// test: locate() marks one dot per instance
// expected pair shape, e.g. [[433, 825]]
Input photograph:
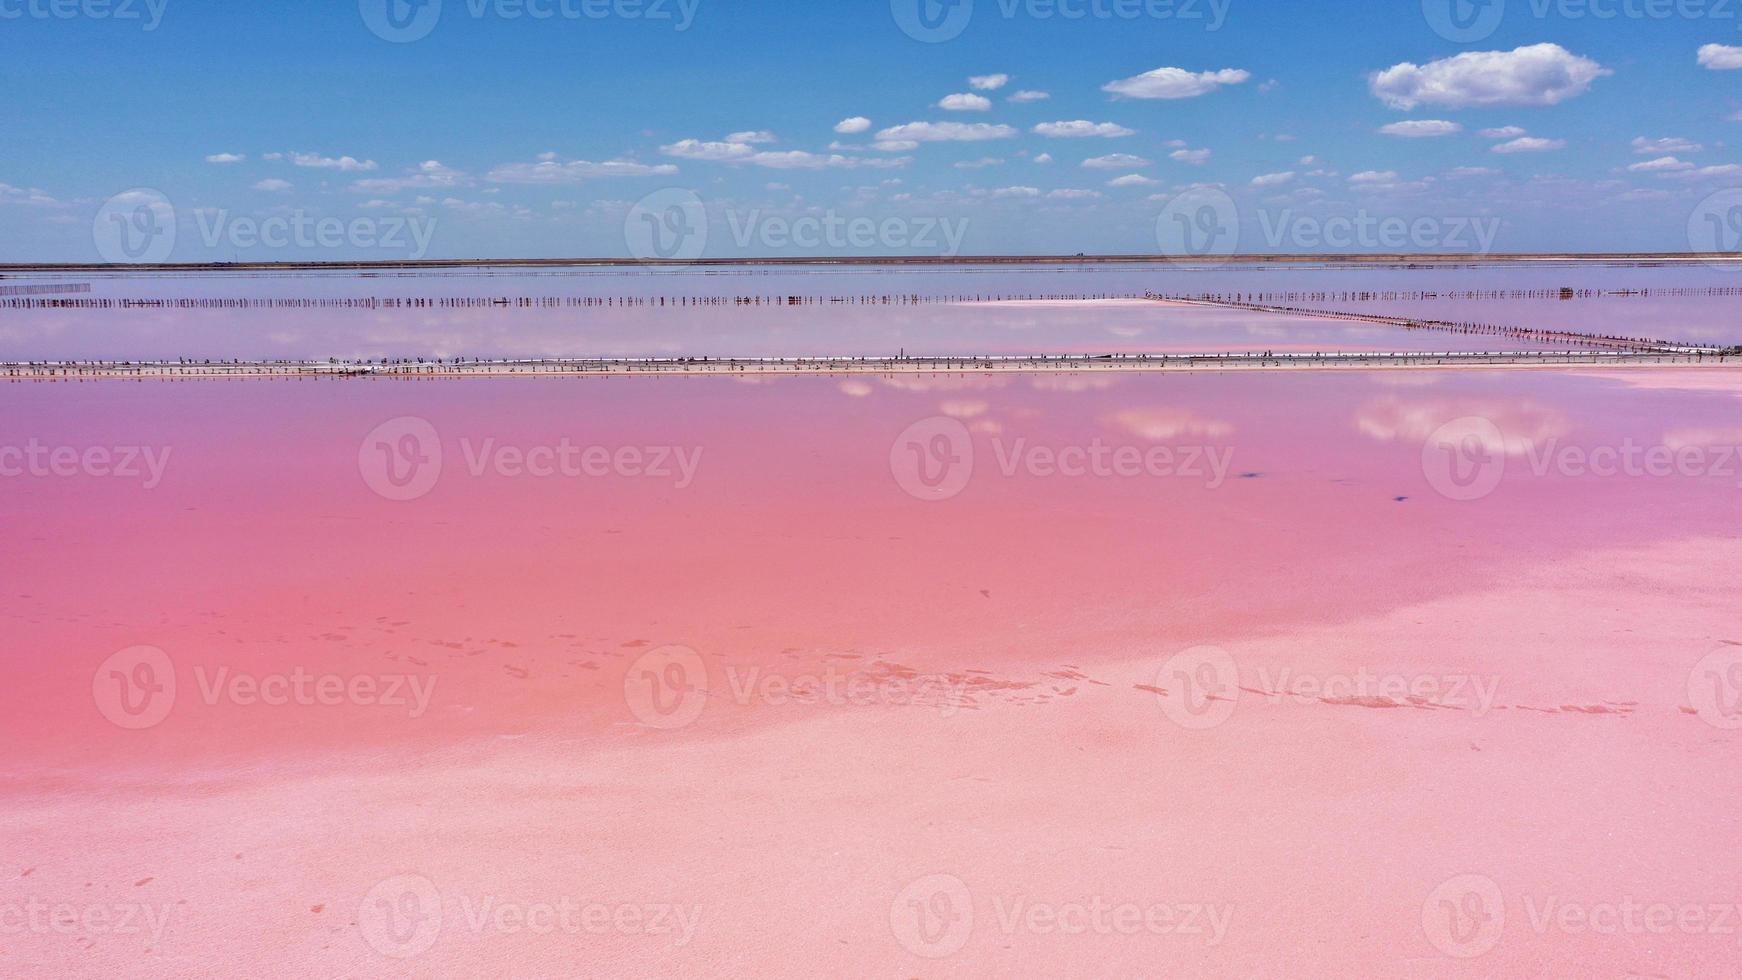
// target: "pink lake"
[[1377, 674]]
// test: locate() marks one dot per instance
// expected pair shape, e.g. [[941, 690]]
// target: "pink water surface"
[[1022, 735]]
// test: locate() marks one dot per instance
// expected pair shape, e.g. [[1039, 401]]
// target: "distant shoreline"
[[691, 367], [59, 268]]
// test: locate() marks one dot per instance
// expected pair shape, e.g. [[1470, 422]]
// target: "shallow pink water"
[[1021, 726]]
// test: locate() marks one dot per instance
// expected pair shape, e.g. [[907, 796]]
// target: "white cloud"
[[715, 151], [1458, 172], [273, 184], [1029, 95], [1720, 57], [1530, 144], [1273, 180], [1502, 133], [1116, 161], [1072, 194], [430, 173], [35, 196], [1373, 177], [802, 160], [852, 124], [1724, 170], [1133, 180], [1309, 161], [1043, 158], [1660, 165], [226, 158], [1081, 128], [752, 136], [1536, 75], [979, 164], [739, 152], [1194, 157], [1175, 83], [1669, 144], [895, 146], [941, 132], [1016, 192], [965, 102], [573, 172], [345, 163], [1421, 128], [989, 83]]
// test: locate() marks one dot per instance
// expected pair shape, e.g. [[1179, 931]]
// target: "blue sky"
[[1359, 126]]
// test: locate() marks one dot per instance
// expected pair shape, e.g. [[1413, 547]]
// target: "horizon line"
[[1355, 258]]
